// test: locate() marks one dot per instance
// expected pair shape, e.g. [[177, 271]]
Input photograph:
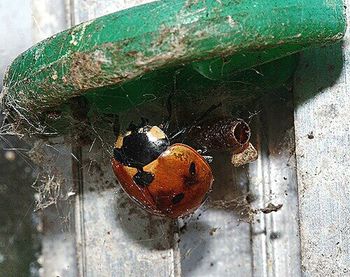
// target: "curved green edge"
[[119, 47]]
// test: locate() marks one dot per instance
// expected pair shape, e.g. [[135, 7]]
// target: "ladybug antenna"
[[206, 113], [144, 121], [169, 105], [116, 125], [132, 127], [187, 129], [175, 135]]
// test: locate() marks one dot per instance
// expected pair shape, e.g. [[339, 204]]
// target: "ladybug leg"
[[188, 129], [202, 150], [207, 112], [144, 122], [209, 159], [166, 122]]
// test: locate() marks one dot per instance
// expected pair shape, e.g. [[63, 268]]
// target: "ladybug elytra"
[[166, 179]]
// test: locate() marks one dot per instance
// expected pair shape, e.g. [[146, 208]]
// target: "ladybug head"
[[138, 147]]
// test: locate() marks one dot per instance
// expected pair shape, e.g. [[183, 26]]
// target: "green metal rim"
[[114, 49]]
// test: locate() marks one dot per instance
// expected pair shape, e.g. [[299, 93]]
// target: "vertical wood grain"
[[322, 126], [272, 180], [58, 231], [58, 228]]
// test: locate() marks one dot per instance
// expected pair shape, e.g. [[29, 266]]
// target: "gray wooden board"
[[272, 179], [58, 230], [119, 239], [18, 239], [322, 125], [16, 31]]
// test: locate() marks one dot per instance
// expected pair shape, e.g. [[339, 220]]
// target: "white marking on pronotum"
[[155, 134]]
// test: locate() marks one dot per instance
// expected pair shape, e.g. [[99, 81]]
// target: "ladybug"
[[165, 179]]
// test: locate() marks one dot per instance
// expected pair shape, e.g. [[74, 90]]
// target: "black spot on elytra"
[[191, 179], [192, 169], [143, 178], [177, 198]]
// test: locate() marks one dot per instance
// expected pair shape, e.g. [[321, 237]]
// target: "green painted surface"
[[192, 86], [138, 50]]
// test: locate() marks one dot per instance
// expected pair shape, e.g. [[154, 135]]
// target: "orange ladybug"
[[167, 180]]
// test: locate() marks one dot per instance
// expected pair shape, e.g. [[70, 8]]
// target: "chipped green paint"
[[104, 53]]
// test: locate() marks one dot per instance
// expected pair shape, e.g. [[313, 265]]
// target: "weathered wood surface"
[[58, 257], [18, 238], [272, 180], [322, 124]]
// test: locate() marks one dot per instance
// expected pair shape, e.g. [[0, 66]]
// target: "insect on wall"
[[139, 146], [198, 111]]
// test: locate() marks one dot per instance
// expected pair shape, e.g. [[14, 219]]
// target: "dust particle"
[[311, 135], [212, 231], [271, 208]]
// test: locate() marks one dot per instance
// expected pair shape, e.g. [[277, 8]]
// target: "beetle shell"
[[181, 179]]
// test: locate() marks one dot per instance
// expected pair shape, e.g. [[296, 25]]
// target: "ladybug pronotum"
[[166, 179]]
